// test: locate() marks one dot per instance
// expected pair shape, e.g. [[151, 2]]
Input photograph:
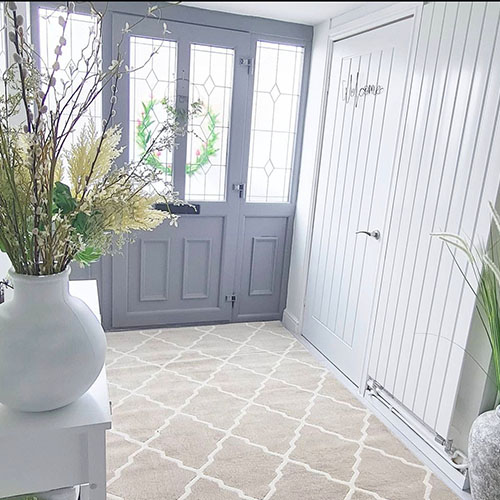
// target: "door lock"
[[374, 234], [240, 188]]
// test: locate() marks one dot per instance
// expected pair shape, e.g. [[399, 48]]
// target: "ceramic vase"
[[52, 347], [484, 456]]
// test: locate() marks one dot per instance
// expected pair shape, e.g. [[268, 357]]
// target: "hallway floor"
[[244, 411]]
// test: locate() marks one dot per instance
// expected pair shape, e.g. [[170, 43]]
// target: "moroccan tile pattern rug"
[[244, 411]]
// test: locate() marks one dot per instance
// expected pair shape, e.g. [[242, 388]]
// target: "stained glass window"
[[152, 85], [276, 96], [211, 81]]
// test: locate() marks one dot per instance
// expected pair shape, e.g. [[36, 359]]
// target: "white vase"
[[52, 347]]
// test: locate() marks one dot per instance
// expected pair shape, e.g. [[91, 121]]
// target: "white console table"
[[60, 448]]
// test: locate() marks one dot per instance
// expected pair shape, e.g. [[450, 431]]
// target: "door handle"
[[240, 188], [374, 234]]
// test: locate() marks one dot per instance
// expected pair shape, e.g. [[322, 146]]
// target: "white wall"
[[303, 217]]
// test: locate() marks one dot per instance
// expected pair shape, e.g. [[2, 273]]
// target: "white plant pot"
[[52, 347], [484, 456]]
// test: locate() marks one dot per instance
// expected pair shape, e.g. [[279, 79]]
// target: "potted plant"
[[484, 438], [65, 199]]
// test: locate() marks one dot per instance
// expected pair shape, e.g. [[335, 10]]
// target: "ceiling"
[[298, 12]]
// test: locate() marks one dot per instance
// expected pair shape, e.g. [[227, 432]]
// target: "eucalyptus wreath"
[[147, 125]]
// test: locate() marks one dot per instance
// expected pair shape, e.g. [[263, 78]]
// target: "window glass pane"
[[211, 81], [80, 30], [3, 52], [276, 97], [152, 84]]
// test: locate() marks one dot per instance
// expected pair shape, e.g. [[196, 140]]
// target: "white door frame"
[[357, 26]]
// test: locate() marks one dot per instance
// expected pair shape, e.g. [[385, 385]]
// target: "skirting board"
[[411, 440], [290, 322]]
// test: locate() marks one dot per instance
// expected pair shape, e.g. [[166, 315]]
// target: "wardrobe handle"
[[374, 234]]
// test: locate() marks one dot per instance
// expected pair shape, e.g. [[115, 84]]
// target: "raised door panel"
[[262, 269]]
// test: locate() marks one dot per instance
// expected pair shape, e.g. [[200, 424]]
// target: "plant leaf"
[[496, 217], [88, 255], [493, 267], [63, 199], [81, 222], [456, 241]]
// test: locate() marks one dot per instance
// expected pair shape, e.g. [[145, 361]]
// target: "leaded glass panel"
[[76, 48], [276, 97], [152, 85], [211, 82]]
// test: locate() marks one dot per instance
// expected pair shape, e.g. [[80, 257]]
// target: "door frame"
[[352, 27]]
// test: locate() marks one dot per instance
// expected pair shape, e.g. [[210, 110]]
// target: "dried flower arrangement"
[[63, 200]]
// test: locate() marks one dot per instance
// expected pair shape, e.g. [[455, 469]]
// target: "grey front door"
[[227, 261], [182, 275]]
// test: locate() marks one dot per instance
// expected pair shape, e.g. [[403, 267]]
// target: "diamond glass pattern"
[[276, 97], [211, 82], [154, 63]]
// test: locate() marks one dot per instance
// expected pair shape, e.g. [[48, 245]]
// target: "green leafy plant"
[[147, 125], [485, 264]]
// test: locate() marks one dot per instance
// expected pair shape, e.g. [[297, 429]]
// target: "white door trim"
[[367, 22]]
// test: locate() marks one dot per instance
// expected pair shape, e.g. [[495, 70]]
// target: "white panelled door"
[[363, 117]]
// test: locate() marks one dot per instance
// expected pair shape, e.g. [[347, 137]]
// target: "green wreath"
[[144, 135]]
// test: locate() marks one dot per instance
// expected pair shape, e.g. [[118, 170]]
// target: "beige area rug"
[[244, 411]]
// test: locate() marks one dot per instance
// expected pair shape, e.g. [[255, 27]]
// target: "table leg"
[[97, 465]]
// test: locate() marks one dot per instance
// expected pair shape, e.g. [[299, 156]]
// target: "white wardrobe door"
[[449, 171]]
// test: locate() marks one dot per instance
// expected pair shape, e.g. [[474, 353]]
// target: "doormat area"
[[244, 411]]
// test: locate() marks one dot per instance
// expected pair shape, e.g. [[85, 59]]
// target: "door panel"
[[262, 268], [364, 107]]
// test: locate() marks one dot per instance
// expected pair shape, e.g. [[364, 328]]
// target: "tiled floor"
[[244, 411]]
